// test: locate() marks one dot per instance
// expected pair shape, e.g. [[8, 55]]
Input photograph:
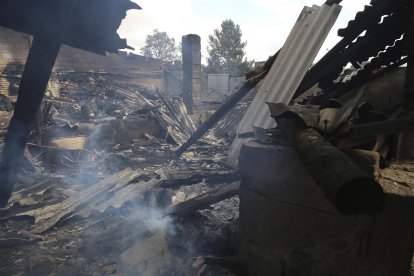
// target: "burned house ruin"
[[119, 164]]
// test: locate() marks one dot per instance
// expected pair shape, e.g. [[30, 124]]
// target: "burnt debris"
[[128, 165], [52, 24]]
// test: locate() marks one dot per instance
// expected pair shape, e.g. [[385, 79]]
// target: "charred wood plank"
[[188, 178], [254, 77], [205, 200], [48, 216], [331, 2], [234, 99], [350, 189]]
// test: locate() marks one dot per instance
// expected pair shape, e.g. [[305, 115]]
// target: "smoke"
[[150, 218]]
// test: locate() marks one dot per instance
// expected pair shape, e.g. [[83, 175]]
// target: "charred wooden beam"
[[254, 77], [35, 77], [405, 148], [233, 100], [36, 74], [387, 127], [205, 200], [331, 2], [350, 189]]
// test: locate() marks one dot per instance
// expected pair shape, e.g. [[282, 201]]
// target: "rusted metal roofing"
[[296, 56], [93, 26]]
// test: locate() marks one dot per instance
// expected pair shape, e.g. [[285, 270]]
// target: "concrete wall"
[[289, 228]]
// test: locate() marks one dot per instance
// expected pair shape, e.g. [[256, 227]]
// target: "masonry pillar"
[[192, 81]]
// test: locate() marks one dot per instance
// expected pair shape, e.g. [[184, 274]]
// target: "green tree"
[[226, 51], [159, 45]]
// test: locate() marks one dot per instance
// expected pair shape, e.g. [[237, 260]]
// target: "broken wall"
[[14, 48]]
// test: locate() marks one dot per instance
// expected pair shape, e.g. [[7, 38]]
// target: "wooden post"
[[35, 77], [405, 147]]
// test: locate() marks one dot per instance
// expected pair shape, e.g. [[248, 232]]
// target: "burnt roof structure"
[[92, 27], [88, 24], [374, 43]]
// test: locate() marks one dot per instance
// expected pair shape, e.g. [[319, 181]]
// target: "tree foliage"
[[159, 45], [226, 51]]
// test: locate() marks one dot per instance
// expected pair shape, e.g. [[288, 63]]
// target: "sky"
[[265, 24]]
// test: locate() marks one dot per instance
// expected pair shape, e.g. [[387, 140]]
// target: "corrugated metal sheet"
[[294, 60]]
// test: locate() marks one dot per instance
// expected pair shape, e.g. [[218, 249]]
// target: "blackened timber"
[[331, 2], [346, 50], [386, 127], [93, 28], [350, 189], [230, 102], [313, 74], [36, 74], [405, 148], [35, 77], [362, 78], [409, 49], [254, 78], [181, 178], [205, 200]]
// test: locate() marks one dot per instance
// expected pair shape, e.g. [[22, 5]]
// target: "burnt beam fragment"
[[223, 109], [350, 189], [203, 201], [331, 2], [386, 127]]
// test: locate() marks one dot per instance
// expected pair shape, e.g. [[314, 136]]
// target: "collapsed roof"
[[92, 27]]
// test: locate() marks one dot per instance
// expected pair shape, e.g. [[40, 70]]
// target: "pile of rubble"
[[103, 192]]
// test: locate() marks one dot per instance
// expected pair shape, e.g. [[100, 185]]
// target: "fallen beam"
[[253, 80], [204, 201], [387, 127], [350, 189]]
